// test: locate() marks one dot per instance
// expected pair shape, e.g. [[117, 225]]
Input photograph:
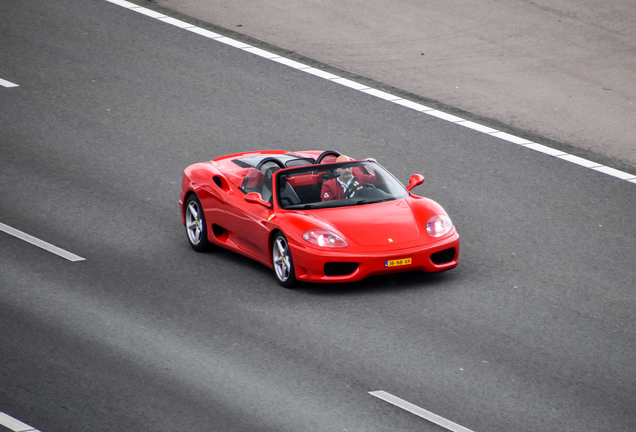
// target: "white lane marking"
[[15, 425], [421, 412], [545, 149], [380, 94], [40, 243], [614, 173], [579, 161], [8, 84]]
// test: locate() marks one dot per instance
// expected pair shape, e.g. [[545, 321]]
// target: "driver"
[[337, 188]]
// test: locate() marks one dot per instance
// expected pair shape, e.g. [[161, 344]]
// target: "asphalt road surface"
[[558, 69], [533, 331]]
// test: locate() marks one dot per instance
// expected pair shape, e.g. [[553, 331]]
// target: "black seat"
[[288, 195], [266, 193]]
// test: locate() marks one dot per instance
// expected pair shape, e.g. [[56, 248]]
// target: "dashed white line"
[[15, 425], [40, 243], [418, 411], [381, 94], [8, 84]]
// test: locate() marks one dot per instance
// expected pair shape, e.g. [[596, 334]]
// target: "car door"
[[247, 222], [249, 226]]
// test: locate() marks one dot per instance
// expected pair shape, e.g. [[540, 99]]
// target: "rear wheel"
[[195, 226], [283, 264]]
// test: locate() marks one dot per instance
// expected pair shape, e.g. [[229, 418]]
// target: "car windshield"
[[336, 185]]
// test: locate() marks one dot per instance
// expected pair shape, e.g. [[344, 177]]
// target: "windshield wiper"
[[374, 201], [300, 207]]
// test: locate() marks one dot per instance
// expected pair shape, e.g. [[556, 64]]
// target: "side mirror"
[[415, 180], [256, 198]]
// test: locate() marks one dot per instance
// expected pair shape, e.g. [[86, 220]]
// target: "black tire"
[[282, 260], [195, 225]]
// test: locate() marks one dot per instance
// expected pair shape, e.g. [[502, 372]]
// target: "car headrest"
[[269, 172]]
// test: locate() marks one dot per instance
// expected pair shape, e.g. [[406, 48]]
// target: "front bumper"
[[339, 265]]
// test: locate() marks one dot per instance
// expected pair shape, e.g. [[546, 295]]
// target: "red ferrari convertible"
[[315, 216]]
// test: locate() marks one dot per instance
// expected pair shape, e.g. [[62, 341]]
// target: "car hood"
[[378, 224]]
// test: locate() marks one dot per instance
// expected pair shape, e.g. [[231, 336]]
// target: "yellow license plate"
[[398, 262]]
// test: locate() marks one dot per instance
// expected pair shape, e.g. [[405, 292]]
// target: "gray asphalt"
[[533, 331], [560, 71]]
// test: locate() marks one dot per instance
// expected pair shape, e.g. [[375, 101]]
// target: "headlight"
[[321, 237], [438, 225]]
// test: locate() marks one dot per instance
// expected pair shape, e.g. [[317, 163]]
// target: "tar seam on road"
[[15, 425], [421, 412], [40, 243], [380, 94]]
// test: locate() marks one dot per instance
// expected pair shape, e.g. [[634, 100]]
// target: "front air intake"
[[340, 268], [443, 257]]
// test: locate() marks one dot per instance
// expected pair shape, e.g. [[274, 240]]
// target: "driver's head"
[[345, 173]]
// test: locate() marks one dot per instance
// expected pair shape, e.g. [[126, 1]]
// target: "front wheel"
[[283, 264], [195, 225]]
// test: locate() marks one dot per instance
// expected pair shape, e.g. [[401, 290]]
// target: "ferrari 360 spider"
[[315, 216]]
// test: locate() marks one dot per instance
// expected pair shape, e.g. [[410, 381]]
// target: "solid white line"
[[352, 84], [40, 243], [579, 161], [545, 149], [8, 84], [445, 116], [413, 105], [478, 127], [176, 22], [15, 425], [262, 53], [510, 138], [382, 95], [290, 63], [203, 32], [421, 412]]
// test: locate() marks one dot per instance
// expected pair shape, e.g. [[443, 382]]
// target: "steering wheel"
[[357, 188], [327, 153]]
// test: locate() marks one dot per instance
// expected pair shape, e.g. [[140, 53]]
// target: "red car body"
[[382, 228]]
